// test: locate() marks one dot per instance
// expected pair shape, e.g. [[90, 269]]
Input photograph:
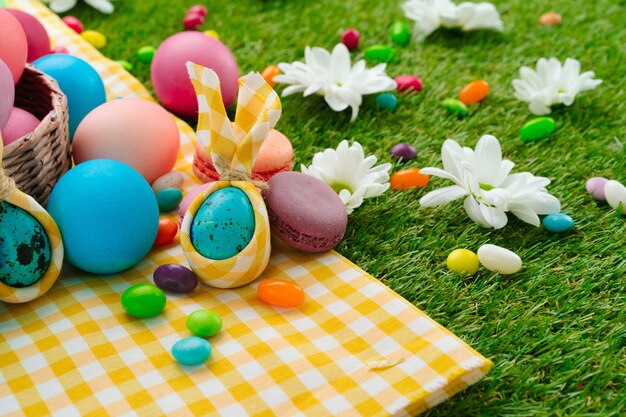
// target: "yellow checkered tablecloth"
[[74, 351]]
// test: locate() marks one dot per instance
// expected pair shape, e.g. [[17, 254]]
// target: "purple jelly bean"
[[175, 278], [403, 151], [595, 187]]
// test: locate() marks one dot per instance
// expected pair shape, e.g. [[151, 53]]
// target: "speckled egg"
[[24, 247], [223, 225]]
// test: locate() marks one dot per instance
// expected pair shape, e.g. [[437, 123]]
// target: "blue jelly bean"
[[169, 199], [191, 351], [558, 223], [386, 101]]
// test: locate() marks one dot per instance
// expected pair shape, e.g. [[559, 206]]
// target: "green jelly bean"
[[204, 323], [127, 65], [400, 34], [380, 53], [537, 129], [143, 301], [456, 107], [146, 53], [169, 198]]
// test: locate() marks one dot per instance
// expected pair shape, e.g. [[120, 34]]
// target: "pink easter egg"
[[170, 78], [191, 195], [36, 35], [7, 94], [136, 132], [20, 124], [13, 44]]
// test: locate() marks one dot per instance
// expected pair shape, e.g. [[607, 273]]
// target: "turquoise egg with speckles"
[[24, 247], [223, 225]]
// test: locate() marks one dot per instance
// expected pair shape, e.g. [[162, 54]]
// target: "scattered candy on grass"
[[380, 53], [399, 33], [173, 179], [350, 38], [74, 24], [143, 300], [558, 223], [212, 34], [408, 178], [462, 261], [169, 199], [204, 323], [281, 293], [537, 128], [168, 228], [146, 53], [407, 82], [595, 188], [550, 19], [403, 151], [95, 38], [192, 351], [175, 278], [193, 21], [386, 101], [455, 107], [615, 194], [269, 73], [474, 92], [499, 259], [125, 64]]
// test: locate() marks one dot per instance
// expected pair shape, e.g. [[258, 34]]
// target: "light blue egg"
[[191, 350], [223, 225], [24, 247], [78, 80], [107, 214], [169, 199], [386, 101], [558, 223]]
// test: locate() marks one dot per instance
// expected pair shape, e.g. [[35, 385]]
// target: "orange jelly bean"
[[407, 178], [269, 73], [550, 19], [281, 293], [168, 228], [474, 92]]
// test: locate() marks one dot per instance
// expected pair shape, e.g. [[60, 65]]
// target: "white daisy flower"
[[62, 6], [552, 83], [432, 14], [489, 188], [353, 176], [333, 76]]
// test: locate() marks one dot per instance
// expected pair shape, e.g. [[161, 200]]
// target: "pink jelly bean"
[[407, 82], [350, 38], [595, 187], [60, 50], [73, 22], [193, 21], [198, 9]]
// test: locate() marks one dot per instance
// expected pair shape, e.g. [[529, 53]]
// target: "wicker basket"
[[39, 159]]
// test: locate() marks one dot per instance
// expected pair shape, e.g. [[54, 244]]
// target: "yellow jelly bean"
[[462, 261], [97, 39], [212, 34]]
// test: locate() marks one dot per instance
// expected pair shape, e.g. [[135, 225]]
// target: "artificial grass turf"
[[556, 330]]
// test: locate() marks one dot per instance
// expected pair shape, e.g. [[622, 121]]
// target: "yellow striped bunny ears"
[[233, 146]]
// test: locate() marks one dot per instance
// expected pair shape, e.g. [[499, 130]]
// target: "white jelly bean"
[[615, 194], [498, 259]]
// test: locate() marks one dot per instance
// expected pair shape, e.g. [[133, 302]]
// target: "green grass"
[[556, 330]]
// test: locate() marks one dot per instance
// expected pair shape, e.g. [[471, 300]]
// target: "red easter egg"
[[13, 44]]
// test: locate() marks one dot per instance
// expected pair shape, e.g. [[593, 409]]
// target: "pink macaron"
[[275, 155], [305, 212]]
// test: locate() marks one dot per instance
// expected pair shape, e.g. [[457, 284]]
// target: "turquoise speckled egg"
[[192, 350], [24, 247], [223, 225]]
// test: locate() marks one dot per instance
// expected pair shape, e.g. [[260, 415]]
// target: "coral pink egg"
[[19, 125], [170, 78], [13, 44], [137, 132]]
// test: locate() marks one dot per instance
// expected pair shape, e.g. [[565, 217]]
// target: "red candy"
[[193, 21], [407, 178], [281, 293], [168, 228], [350, 38], [407, 82], [75, 24], [198, 9]]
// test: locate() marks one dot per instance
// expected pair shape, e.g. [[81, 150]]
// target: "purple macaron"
[[304, 212]]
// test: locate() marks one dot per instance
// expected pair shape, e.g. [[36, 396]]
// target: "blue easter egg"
[[223, 225], [192, 350], [386, 101], [79, 82], [558, 223], [107, 214], [24, 247]]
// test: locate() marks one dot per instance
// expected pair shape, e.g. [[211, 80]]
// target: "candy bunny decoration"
[[31, 249], [225, 233]]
